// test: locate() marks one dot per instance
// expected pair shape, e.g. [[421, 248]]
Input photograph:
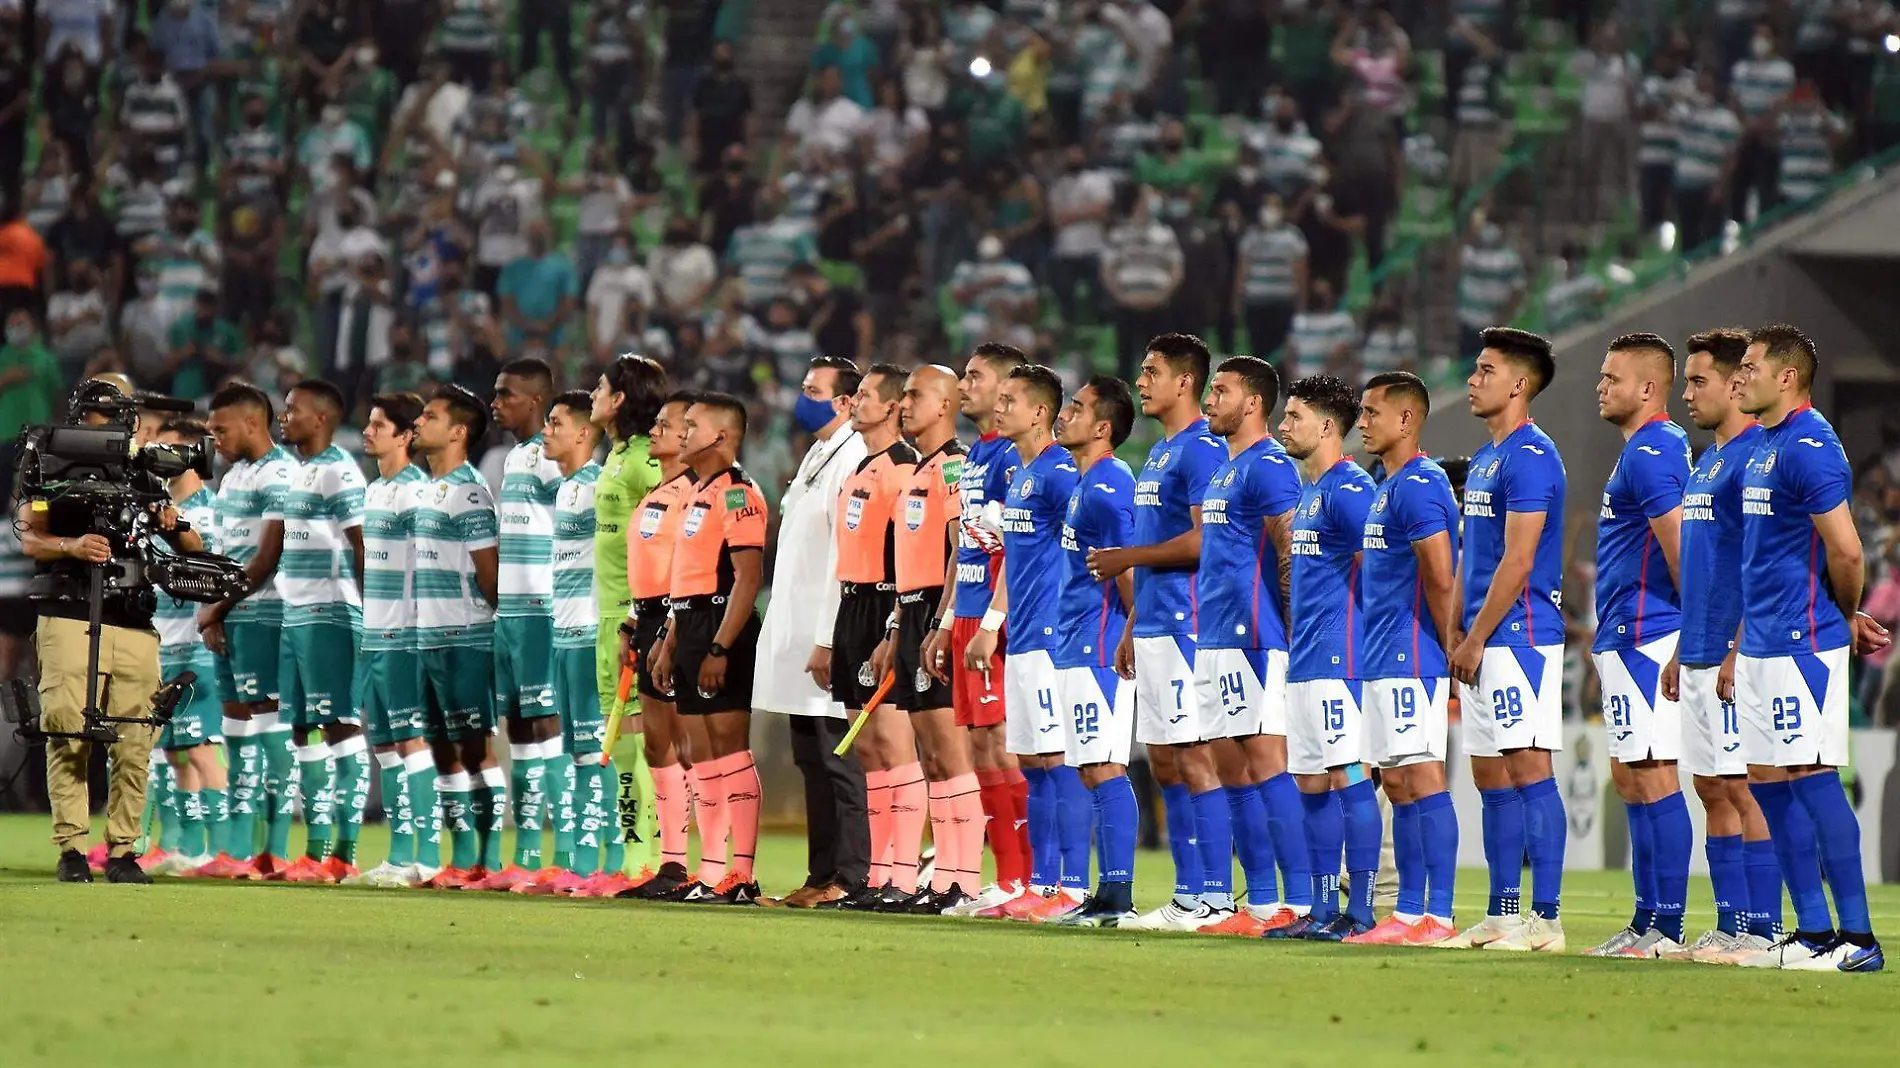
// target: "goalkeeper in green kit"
[[626, 401]]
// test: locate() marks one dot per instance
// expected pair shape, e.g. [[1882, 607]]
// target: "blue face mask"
[[811, 414]]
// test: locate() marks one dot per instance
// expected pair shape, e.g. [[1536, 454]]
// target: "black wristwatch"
[[717, 650]]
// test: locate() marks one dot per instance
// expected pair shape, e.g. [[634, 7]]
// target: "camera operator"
[[58, 533]]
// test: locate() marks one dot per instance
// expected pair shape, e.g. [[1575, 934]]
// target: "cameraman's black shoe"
[[73, 867], [125, 869]]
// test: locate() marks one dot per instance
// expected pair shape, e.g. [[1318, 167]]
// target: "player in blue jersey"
[[1240, 665], [1325, 734], [1409, 594], [1096, 705], [1157, 648], [1028, 594], [977, 696], [1509, 653], [1639, 617], [1742, 871], [1801, 557]]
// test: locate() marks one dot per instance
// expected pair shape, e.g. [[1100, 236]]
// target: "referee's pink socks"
[[670, 802], [877, 808], [710, 799], [739, 775], [909, 795]]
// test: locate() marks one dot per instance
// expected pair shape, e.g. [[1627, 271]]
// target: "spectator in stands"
[[16, 103], [272, 363], [144, 332], [555, 19], [1234, 35], [1240, 193], [926, 58], [824, 116], [1708, 140], [30, 382], [502, 206], [23, 261], [69, 97], [989, 293], [251, 234], [684, 272], [1270, 283], [153, 112], [619, 299], [1207, 278], [1322, 337], [335, 134], [49, 190], [204, 348], [722, 116], [188, 37], [1491, 283], [469, 39], [1177, 172], [689, 44], [1328, 230], [605, 211], [761, 253], [886, 250], [1806, 137], [1758, 85], [1375, 54], [896, 131], [1148, 34], [328, 37], [1362, 144], [842, 46], [994, 122], [1607, 134], [77, 320], [1019, 215], [1659, 113], [84, 233], [1389, 345], [188, 258], [727, 199], [616, 65], [789, 346], [1142, 268], [1575, 292], [334, 257], [1287, 151], [1080, 205], [538, 291], [837, 316]]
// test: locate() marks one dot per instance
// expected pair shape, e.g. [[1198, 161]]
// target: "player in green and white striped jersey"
[[1808, 135], [524, 621], [245, 630], [572, 441], [192, 739], [454, 533], [318, 580], [388, 686]]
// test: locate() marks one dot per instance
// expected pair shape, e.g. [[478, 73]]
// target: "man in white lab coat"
[[795, 641]]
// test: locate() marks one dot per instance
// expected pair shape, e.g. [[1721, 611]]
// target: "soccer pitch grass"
[[216, 973]]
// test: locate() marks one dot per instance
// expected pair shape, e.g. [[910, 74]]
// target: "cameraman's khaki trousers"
[[130, 658]]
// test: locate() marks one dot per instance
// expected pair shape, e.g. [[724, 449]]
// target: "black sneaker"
[[951, 898], [737, 894], [921, 903], [666, 881], [73, 867], [125, 869], [697, 893]]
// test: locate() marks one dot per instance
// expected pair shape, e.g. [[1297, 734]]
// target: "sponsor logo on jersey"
[[735, 499]]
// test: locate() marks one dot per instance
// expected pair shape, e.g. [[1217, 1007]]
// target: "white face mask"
[[19, 333], [1271, 218], [989, 248], [1762, 47], [1247, 174]]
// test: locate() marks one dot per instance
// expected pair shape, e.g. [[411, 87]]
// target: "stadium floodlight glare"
[[980, 66], [1892, 42]]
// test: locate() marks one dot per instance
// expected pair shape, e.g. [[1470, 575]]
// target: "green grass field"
[[214, 974]]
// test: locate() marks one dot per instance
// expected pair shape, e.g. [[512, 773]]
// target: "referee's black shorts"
[[648, 617], [696, 622], [916, 689], [862, 612]]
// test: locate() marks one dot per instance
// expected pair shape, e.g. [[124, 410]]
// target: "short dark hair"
[[534, 370], [402, 409], [192, 430], [1045, 386], [1001, 356], [680, 396], [727, 403], [1789, 346], [1185, 353], [1647, 342], [465, 409], [849, 376], [1328, 395], [1114, 405], [642, 384], [1403, 385], [1257, 375], [1726, 345], [578, 401], [1527, 350], [331, 396], [892, 388], [243, 393]]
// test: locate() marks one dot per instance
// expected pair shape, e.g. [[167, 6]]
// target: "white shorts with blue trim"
[[1518, 702], [1639, 723], [1711, 727], [1407, 720], [1793, 709], [1242, 692], [1167, 710], [1325, 727], [1098, 715], [1032, 725]]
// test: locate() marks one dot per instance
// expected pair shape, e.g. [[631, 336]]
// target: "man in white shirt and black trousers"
[[794, 663]]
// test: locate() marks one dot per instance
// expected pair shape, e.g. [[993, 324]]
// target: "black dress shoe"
[[125, 869], [73, 867]]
